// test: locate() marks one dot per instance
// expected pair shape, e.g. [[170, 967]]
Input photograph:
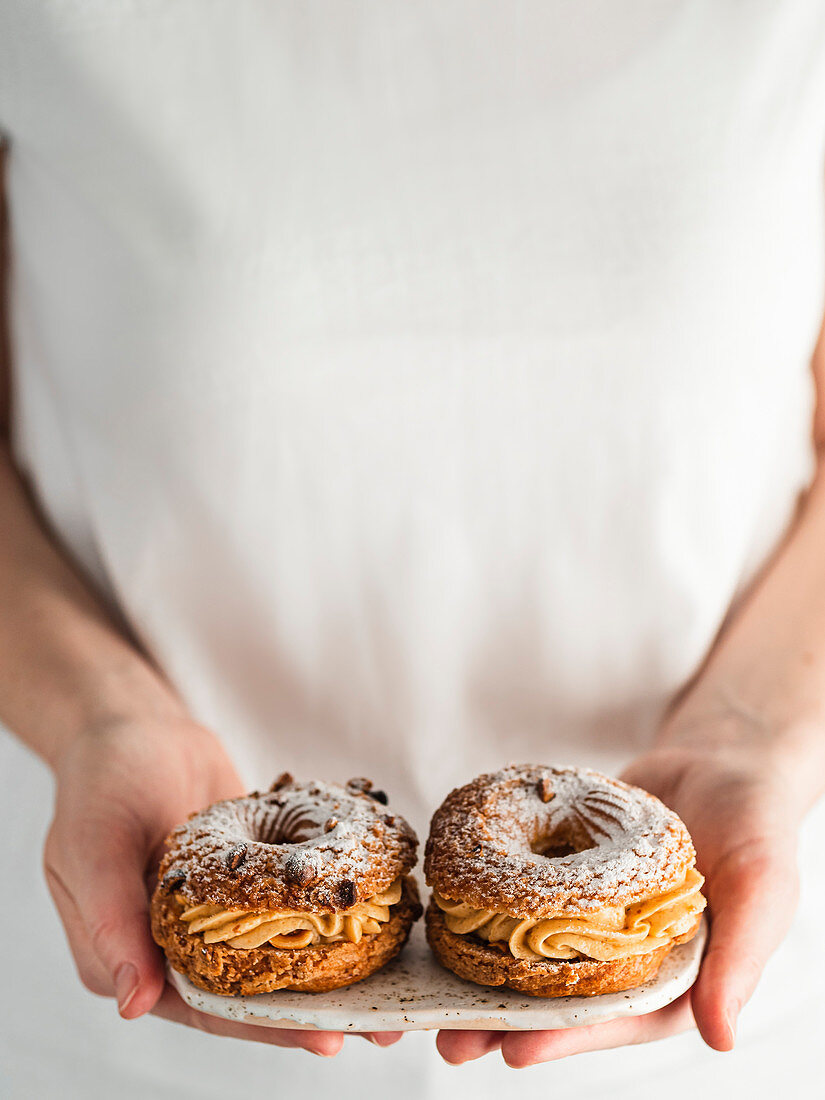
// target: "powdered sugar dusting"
[[314, 846], [618, 843]]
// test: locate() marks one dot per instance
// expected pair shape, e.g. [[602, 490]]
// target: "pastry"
[[558, 881], [303, 887]]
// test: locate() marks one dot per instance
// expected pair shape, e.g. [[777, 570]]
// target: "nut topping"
[[379, 796], [235, 857], [346, 893], [282, 780], [299, 871], [330, 824], [172, 880], [359, 783], [545, 789]]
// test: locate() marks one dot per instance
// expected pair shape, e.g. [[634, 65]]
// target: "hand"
[[744, 818], [119, 792]]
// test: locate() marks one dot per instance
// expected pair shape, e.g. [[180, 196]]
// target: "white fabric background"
[[422, 382]]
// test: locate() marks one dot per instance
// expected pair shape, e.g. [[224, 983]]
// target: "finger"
[[381, 1038], [520, 1049], [752, 896], [89, 967], [323, 1043], [457, 1047], [107, 884]]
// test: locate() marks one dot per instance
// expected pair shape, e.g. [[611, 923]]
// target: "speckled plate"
[[414, 993]]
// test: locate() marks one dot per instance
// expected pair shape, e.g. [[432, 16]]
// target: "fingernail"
[[731, 1022], [126, 986], [321, 1052]]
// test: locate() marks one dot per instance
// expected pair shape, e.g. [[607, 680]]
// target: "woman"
[[427, 385]]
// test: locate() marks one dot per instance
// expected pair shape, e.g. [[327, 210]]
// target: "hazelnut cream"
[[246, 928], [614, 932]]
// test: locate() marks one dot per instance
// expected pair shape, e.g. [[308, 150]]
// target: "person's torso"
[[421, 381]]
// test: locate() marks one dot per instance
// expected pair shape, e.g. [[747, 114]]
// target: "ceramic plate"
[[413, 993]]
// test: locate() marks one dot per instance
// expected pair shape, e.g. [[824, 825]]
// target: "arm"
[[129, 762], [741, 757], [66, 666]]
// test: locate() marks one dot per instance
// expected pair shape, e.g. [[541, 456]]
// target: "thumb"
[[752, 896], [111, 898]]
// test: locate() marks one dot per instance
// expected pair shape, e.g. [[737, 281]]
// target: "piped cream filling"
[[248, 928], [614, 932]]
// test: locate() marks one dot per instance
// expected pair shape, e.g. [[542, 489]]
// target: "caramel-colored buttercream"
[[611, 933], [247, 928]]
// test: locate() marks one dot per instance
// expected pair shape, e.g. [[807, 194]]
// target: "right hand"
[[120, 790]]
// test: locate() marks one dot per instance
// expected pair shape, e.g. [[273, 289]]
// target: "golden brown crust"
[[313, 846], [219, 968], [488, 964], [534, 841]]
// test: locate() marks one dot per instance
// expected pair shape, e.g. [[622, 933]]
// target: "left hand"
[[120, 788], [743, 816]]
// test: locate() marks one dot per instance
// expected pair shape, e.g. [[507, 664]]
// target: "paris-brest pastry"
[[558, 881], [305, 886]]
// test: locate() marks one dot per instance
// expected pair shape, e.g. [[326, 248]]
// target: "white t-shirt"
[[421, 381]]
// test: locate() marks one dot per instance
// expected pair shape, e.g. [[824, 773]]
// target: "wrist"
[[714, 724], [132, 697]]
